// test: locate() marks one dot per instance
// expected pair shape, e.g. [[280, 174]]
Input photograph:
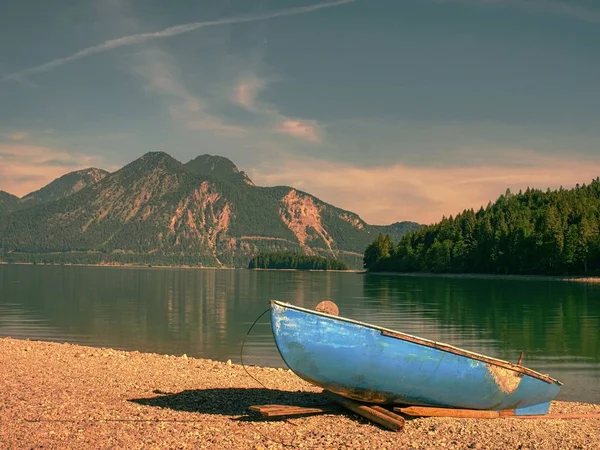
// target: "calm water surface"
[[206, 313]]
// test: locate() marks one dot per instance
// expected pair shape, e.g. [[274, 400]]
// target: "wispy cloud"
[[423, 194], [246, 92], [169, 32], [308, 130], [16, 136], [161, 76], [25, 167]]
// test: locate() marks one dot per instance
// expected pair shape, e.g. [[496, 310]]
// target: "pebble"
[[204, 404]]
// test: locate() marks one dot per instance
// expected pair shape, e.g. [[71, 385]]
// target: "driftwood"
[[291, 410], [374, 413], [385, 418], [391, 420]]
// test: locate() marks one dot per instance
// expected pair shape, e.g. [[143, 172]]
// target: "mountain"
[[8, 202], [217, 166], [64, 186], [157, 210], [397, 229]]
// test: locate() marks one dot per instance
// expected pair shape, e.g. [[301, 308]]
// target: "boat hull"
[[374, 365]]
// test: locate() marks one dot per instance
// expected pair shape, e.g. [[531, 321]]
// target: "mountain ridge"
[[62, 187], [218, 166], [8, 202], [205, 212]]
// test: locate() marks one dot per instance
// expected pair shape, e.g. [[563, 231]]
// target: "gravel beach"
[[67, 396]]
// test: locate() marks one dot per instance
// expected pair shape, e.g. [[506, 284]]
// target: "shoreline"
[[483, 276], [156, 266], [565, 278], [60, 395]]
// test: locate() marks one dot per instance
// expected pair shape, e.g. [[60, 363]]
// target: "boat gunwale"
[[429, 343]]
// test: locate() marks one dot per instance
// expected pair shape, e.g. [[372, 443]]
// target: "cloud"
[[26, 167], [307, 130], [161, 76], [424, 194], [246, 91], [245, 94], [16, 136], [169, 32]]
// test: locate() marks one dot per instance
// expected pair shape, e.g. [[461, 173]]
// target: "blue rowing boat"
[[376, 365]]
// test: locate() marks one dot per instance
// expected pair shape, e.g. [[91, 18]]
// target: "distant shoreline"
[[156, 266], [573, 279], [310, 270], [127, 265], [576, 279]]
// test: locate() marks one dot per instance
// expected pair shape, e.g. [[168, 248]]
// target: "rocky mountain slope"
[[157, 210], [64, 186]]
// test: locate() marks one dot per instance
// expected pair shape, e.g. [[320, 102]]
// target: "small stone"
[[476, 445], [229, 363], [184, 356]]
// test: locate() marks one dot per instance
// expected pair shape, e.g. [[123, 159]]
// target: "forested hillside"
[[291, 260], [8, 202], [532, 232]]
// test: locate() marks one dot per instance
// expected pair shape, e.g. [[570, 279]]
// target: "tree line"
[[292, 260], [533, 232]]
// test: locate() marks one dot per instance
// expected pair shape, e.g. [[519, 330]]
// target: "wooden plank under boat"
[[371, 364]]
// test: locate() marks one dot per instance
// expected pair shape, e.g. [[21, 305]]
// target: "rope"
[[244, 342], [268, 438]]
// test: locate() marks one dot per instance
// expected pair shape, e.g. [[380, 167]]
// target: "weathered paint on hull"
[[359, 361]]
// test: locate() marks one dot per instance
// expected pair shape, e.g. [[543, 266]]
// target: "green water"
[[206, 313]]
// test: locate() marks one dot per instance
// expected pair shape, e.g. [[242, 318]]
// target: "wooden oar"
[[424, 411]]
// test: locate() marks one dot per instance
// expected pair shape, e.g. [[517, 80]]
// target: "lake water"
[[206, 313]]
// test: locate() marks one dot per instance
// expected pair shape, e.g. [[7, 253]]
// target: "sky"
[[393, 109]]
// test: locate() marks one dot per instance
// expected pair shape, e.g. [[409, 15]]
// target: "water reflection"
[[206, 313]]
